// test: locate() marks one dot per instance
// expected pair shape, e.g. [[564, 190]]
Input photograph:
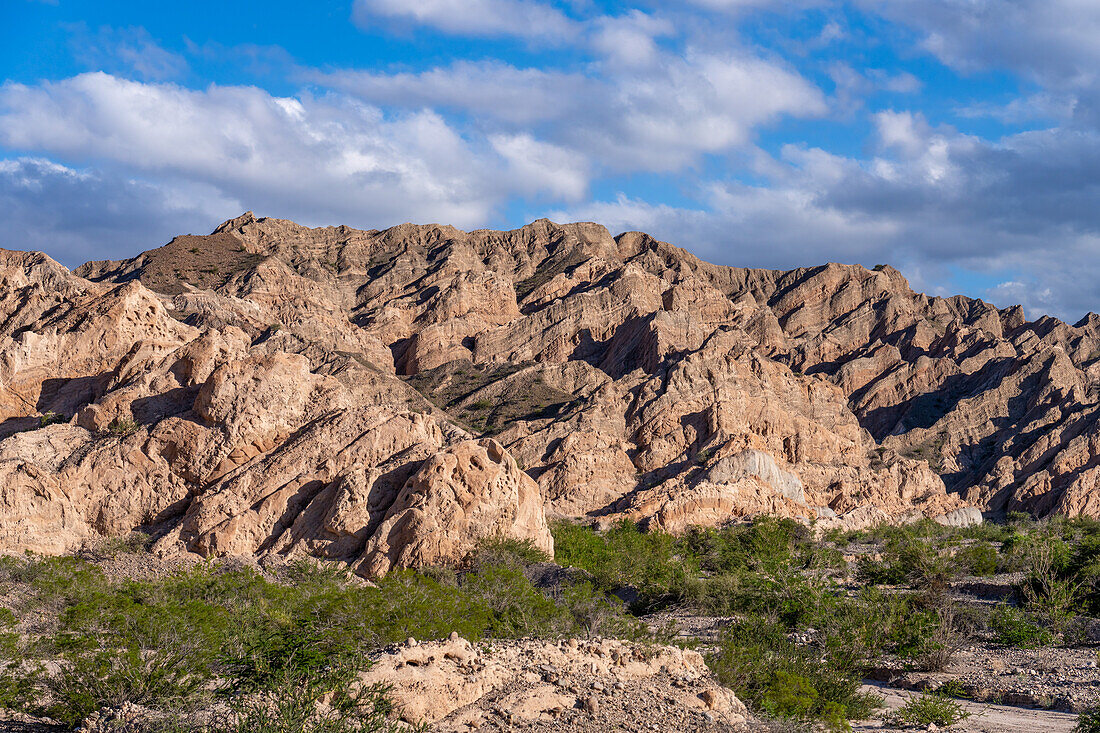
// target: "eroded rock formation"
[[388, 397], [590, 685]]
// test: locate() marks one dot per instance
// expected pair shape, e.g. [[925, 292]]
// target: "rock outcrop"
[[471, 491], [387, 398], [581, 685]]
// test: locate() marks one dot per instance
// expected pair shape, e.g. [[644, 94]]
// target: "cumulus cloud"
[[493, 89], [660, 117], [318, 159], [929, 198], [630, 40], [78, 215], [534, 21], [638, 107], [745, 5], [1033, 107], [1050, 40], [539, 166]]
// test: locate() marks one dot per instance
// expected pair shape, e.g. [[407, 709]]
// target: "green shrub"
[[279, 679], [939, 649], [594, 614], [911, 560], [624, 556], [1019, 519], [977, 559], [952, 688], [171, 642], [1088, 721], [986, 532], [929, 709], [879, 572], [50, 418], [788, 695], [777, 677], [122, 426], [292, 707], [1013, 627], [505, 551], [103, 677]]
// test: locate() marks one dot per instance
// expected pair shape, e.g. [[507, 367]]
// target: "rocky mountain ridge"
[[386, 397]]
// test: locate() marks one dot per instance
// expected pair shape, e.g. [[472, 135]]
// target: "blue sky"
[[956, 139]]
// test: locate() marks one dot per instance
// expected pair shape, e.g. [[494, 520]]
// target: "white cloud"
[[539, 166], [491, 89], [78, 215], [630, 40], [527, 19], [928, 199], [1030, 108], [1052, 40], [660, 117], [745, 5], [853, 85], [318, 159], [646, 103], [131, 51]]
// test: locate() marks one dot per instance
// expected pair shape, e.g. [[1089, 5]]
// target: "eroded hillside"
[[386, 397]]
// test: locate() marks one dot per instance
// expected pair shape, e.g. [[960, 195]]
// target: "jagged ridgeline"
[[388, 397]]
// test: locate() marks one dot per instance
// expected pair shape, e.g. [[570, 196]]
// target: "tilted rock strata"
[[471, 491], [230, 447], [286, 389]]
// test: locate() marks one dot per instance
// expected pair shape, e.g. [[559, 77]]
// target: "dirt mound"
[[571, 685]]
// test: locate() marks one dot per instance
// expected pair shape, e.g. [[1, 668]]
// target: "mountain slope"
[[297, 389]]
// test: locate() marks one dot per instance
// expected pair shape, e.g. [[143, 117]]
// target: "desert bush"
[[505, 551], [929, 530], [938, 649], [909, 560], [516, 607], [293, 707], [779, 678], [928, 709], [624, 556], [713, 570], [1088, 721], [879, 571], [173, 641], [122, 426], [51, 418], [279, 679], [986, 532], [1013, 627], [594, 614], [952, 688], [1022, 547], [1019, 519], [88, 679], [978, 559], [1050, 589]]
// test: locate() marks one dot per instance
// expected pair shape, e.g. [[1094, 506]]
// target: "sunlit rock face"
[[388, 398]]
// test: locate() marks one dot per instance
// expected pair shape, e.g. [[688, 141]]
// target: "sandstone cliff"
[[388, 397]]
